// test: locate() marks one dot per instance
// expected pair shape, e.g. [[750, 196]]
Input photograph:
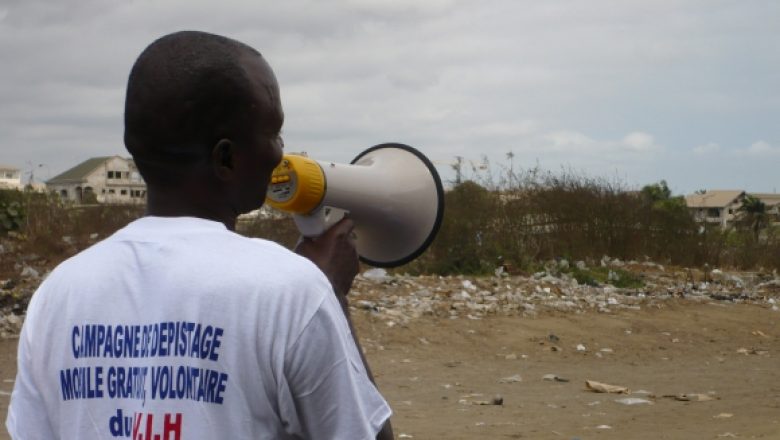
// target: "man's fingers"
[[346, 223], [343, 227]]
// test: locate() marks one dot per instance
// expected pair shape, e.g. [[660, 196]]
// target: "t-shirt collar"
[[173, 224]]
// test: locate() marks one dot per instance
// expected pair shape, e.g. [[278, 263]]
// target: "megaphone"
[[391, 191]]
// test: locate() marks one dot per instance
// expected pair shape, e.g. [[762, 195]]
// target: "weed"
[[529, 218]]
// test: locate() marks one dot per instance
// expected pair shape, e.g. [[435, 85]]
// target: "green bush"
[[543, 216], [12, 212], [50, 227], [585, 277], [537, 217], [598, 276], [11, 216], [466, 242]]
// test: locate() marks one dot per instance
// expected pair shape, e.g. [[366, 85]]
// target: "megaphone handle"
[[314, 224]]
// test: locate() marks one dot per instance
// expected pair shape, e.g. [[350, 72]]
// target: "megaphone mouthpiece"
[[392, 192]]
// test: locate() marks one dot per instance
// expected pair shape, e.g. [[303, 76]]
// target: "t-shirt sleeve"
[[327, 394], [27, 415]]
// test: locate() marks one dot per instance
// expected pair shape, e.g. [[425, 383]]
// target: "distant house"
[[715, 206], [771, 200], [111, 179], [10, 177]]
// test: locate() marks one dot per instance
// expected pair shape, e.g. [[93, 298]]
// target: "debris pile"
[[397, 299], [20, 276]]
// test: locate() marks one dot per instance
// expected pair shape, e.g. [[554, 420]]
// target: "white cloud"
[[557, 81], [760, 148], [707, 148], [401, 7], [569, 140], [507, 129], [580, 143], [414, 80], [639, 142]]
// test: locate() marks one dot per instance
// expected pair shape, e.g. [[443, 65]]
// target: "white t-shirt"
[[176, 328]]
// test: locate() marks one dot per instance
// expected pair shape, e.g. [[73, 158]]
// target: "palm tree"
[[753, 214]]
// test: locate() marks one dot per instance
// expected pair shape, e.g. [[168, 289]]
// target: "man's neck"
[[166, 202]]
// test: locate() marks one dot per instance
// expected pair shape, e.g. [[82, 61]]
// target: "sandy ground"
[[435, 371]]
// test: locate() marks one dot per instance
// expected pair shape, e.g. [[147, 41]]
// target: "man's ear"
[[223, 158]]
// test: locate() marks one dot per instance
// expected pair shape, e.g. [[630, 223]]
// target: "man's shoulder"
[[191, 243], [273, 255]]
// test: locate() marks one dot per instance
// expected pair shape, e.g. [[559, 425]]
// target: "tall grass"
[[52, 230], [519, 220], [535, 216]]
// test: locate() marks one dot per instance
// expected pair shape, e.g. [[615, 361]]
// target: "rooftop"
[[80, 171], [769, 199], [713, 199]]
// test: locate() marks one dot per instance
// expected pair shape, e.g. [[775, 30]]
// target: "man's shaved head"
[[186, 91]]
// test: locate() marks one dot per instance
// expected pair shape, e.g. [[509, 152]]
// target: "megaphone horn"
[[391, 191]]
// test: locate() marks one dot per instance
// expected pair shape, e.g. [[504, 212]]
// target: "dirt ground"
[[435, 372]]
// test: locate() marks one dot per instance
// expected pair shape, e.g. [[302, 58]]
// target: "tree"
[[460, 246], [670, 227], [659, 196], [752, 215], [657, 192]]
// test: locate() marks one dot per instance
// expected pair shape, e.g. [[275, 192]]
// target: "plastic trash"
[[692, 397], [634, 401], [599, 387], [511, 379], [554, 378], [375, 274]]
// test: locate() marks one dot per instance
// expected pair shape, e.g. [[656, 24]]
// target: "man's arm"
[[27, 415], [387, 431], [334, 253]]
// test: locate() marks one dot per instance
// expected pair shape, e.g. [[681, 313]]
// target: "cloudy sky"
[[634, 91]]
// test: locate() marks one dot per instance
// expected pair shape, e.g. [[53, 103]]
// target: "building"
[[717, 206], [770, 200], [112, 179], [10, 177]]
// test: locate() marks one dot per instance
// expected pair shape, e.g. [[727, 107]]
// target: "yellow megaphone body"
[[391, 191]]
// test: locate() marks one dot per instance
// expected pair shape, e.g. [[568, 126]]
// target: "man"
[[175, 327]]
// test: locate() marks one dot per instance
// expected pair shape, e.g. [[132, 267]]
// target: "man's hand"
[[334, 253]]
